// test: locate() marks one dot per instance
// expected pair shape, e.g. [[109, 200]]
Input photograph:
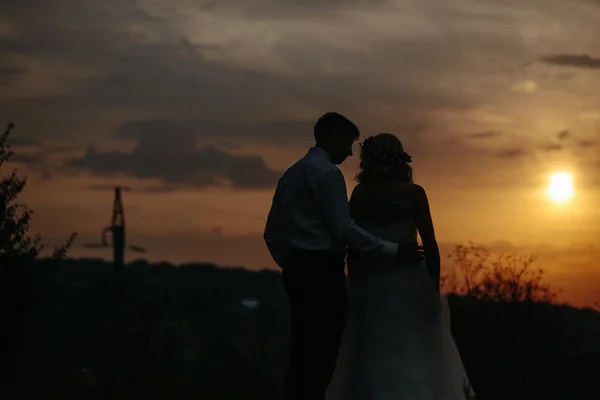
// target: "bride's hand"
[[410, 252]]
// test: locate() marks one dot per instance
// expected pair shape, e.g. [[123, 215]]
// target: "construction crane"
[[117, 230]]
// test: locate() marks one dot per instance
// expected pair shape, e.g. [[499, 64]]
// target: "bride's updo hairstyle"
[[382, 157]]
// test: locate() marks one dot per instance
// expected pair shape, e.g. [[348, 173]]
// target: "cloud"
[[589, 115], [573, 60], [235, 64], [524, 87], [587, 143], [25, 158], [484, 135], [259, 72], [566, 137], [219, 131], [23, 141], [511, 153], [166, 152], [9, 73], [564, 134], [158, 132], [105, 187], [551, 147]]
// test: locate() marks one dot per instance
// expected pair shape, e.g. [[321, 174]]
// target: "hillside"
[[199, 331]]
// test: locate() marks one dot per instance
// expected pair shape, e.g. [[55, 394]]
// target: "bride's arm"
[[427, 233]]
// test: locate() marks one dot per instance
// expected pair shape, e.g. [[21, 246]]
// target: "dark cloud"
[[228, 74], [106, 187], [511, 153], [587, 143], [573, 60], [8, 73], [23, 141], [140, 63], [286, 9], [484, 135], [566, 140], [159, 131], [167, 152], [563, 77], [60, 149], [563, 135], [28, 158], [464, 147], [227, 133], [551, 147]]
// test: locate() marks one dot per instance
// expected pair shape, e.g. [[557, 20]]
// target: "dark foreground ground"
[[192, 333]]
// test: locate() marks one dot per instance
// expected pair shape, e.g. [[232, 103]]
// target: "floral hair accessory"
[[368, 147]]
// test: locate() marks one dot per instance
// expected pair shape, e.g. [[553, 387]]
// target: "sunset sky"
[[198, 106]]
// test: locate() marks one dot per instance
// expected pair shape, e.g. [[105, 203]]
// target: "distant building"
[[250, 304]]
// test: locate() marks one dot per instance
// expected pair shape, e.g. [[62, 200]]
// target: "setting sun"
[[561, 187]]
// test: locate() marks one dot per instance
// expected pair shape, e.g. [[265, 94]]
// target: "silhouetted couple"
[[384, 333]]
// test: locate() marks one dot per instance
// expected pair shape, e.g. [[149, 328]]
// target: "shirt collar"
[[319, 151]]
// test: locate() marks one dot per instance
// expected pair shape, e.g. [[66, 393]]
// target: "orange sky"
[[199, 106]]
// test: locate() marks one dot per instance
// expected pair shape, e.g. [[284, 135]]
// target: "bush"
[[505, 277]]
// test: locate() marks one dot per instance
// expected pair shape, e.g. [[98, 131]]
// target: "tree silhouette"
[[16, 246], [18, 250]]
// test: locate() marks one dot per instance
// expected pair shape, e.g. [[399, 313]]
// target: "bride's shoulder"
[[416, 189], [414, 192]]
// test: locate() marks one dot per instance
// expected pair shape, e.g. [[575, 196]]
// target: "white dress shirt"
[[310, 212]]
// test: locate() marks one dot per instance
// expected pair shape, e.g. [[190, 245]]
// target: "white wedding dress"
[[397, 344]]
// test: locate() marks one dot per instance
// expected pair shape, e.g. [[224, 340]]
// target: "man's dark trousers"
[[316, 286]]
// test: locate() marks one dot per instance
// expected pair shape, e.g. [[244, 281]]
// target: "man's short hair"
[[331, 122]]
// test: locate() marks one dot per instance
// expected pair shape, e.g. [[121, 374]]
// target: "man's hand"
[[410, 252]]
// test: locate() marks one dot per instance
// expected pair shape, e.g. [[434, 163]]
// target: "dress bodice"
[[370, 264], [400, 231]]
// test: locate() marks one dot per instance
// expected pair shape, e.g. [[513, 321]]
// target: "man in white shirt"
[[308, 232]]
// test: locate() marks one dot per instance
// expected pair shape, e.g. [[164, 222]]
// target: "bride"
[[397, 344]]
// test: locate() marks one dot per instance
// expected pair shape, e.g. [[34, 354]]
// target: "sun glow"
[[560, 188]]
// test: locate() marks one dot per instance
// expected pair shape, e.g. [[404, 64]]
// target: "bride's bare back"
[[388, 202]]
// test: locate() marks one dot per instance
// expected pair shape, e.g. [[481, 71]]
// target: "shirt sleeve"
[[333, 200], [273, 234]]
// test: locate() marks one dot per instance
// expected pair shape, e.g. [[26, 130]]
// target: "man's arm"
[[333, 200]]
